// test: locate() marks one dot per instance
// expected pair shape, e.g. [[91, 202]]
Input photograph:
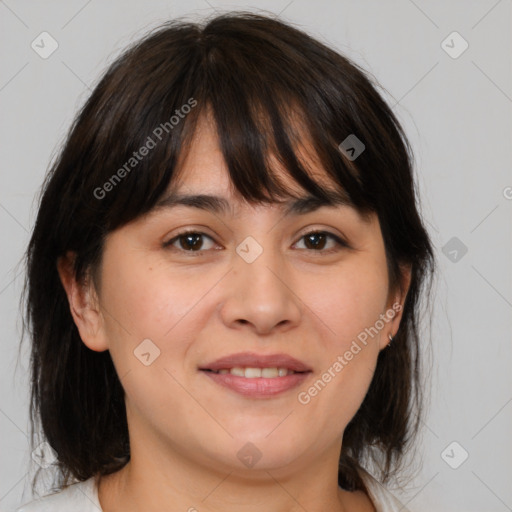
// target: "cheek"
[[349, 303], [348, 300], [150, 299]]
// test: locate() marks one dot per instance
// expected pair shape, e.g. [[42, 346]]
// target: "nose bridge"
[[258, 292], [257, 265]]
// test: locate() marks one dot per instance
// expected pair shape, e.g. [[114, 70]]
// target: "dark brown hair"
[[267, 84]]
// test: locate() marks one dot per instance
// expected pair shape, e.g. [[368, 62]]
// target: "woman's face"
[[249, 285]]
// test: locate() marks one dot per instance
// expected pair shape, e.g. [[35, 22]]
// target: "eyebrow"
[[221, 205]]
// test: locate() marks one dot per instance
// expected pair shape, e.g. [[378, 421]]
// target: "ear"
[[83, 304], [395, 305]]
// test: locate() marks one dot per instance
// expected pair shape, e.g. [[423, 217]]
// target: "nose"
[[261, 295]]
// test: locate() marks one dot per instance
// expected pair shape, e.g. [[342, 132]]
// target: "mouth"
[[255, 375], [254, 372], [254, 362]]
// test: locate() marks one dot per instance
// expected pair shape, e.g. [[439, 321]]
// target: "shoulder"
[[382, 499], [78, 497]]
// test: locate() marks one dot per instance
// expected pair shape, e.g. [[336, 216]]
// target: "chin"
[[255, 449]]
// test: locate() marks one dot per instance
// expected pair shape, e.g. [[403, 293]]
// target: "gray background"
[[456, 112]]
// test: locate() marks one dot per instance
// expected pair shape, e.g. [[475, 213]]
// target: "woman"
[[223, 281]]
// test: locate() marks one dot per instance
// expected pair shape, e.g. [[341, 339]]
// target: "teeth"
[[253, 373], [239, 372], [269, 373]]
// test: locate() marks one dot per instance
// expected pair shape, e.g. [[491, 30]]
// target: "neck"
[[157, 481], [163, 476]]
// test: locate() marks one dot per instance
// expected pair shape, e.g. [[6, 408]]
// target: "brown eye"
[[189, 241], [317, 240]]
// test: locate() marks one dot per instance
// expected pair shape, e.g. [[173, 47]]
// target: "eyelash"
[[339, 241]]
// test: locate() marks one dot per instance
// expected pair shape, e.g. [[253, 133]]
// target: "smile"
[[254, 373], [257, 382]]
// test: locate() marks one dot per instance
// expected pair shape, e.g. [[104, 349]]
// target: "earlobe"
[[83, 304]]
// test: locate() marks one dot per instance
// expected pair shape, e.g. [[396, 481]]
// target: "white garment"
[[382, 499], [83, 497]]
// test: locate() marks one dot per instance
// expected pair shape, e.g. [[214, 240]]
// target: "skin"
[[185, 430]]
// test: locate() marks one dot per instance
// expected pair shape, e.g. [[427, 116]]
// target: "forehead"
[[202, 170]]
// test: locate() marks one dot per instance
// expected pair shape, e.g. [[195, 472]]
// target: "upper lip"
[[253, 360]]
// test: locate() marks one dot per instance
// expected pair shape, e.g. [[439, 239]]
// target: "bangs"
[[268, 107]]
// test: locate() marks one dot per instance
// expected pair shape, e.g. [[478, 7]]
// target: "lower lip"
[[259, 387]]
